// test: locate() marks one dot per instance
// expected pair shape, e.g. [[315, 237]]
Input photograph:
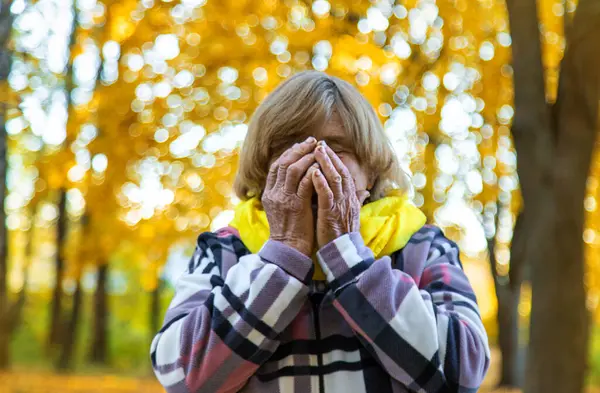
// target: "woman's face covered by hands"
[[335, 137], [339, 183]]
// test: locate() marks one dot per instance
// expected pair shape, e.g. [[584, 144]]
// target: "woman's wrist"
[[298, 244], [288, 258]]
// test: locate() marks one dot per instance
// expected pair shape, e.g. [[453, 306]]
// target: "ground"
[[27, 382]]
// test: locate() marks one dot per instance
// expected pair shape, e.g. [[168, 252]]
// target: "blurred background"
[[121, 121]]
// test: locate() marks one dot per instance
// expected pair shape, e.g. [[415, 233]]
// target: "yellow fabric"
[[386, 225]]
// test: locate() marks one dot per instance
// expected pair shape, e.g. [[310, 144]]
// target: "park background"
[[120, 123]]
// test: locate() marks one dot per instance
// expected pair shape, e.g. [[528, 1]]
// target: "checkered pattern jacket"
[[243, 322]]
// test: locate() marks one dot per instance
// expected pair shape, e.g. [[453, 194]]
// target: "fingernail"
[[321, 149], [310, 139], [322, 143]]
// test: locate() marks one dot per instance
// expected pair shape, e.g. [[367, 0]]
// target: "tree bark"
[[508, 291], [12, 316], [155, 309], [554, 150], [56, 305], [56, 324], [559, 316], [5, 64], [11, 319], [99, 350], [6, 19], [4, 347], [69, 338], [508, 337]]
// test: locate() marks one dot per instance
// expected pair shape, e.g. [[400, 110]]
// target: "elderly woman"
[[327, 280]]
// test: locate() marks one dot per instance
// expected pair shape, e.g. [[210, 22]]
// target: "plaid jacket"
[[242, 322]]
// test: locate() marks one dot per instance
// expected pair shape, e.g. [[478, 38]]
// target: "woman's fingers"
[[292, 155], [340, 167], [331, 174], [296, 171], [362, 196], [272, 175], [324, 193], [306, 187]]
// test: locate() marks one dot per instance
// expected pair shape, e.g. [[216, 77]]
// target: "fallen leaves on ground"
[[23, 382]]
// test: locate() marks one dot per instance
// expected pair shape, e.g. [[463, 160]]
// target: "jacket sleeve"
[[424, 328], [218, 331]]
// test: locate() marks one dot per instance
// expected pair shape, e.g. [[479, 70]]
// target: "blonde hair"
[[294, 110]]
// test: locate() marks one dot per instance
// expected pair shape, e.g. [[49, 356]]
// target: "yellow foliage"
[[154, 151]]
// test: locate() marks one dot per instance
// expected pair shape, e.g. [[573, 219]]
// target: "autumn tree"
[[151, 149], [60, 176], [555, 144], [184, 98], [5, 330], [9, 310], [57, 334], [71, 321]]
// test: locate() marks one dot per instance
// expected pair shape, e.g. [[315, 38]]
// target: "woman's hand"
[[339, 203], [287, 197]]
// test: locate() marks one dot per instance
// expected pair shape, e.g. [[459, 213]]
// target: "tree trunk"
[[11, 319], [55, 315], [554, 151], [69, 338], [4, 348], [155, 309], [12, 316], [56, 305], [6, 20], [99, 350], [508, 337], [559, 318], [508, 291]]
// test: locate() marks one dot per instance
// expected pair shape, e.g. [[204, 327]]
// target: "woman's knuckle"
[[282, 171], [294, 170]]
